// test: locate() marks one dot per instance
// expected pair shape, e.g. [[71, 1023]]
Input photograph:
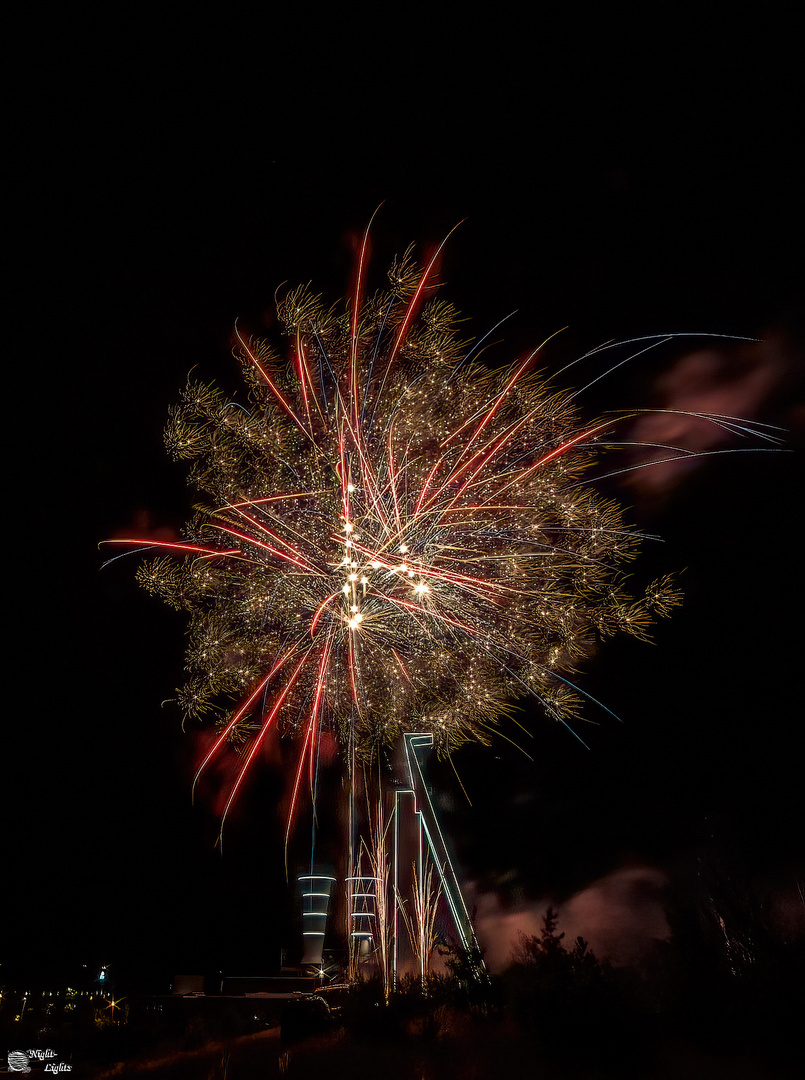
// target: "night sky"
[[615, 179]]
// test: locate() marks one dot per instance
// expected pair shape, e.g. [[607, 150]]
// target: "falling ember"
[[393, 538]]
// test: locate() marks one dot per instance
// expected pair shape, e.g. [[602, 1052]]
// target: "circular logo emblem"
[[18, 1062]]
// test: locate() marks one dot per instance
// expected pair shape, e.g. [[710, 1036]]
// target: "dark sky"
[[618, 179]]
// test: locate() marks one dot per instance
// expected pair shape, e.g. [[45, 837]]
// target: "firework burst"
[[393, 537]]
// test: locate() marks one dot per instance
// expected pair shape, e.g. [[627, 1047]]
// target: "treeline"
[[708, 990]]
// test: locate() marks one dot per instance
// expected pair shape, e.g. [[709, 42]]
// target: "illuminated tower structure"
[[391, 894], [362, 914], [367, 884], [419, 841], [316, 890]]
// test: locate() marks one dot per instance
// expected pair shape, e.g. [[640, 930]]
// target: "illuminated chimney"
[[316, 890], [362, 910]]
